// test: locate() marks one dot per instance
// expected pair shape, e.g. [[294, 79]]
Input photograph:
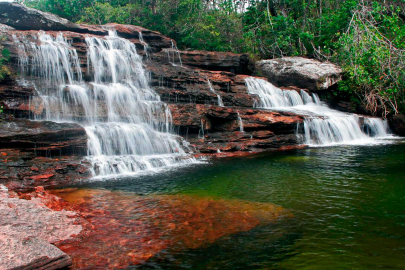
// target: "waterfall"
[[240, 123], [322, 125], [271, 96], [172, 53], [128, 128], [145, 45], [220, 103], [201, 134]]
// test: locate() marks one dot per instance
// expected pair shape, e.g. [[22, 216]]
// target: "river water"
[[347, 201]]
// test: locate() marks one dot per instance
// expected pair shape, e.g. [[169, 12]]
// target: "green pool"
[[348, 204]]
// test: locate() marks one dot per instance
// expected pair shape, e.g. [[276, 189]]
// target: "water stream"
[[220, 103]]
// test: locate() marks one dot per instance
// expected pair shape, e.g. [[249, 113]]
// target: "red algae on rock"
[[127, 229]]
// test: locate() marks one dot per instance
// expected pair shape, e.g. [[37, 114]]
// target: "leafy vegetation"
[[4, 55], [365, 37]]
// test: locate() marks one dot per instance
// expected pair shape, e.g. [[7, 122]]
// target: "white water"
[[220, 103], [322, 125], [145, 45], [240, 123], [201, 134], [129, 129], [173, 54]]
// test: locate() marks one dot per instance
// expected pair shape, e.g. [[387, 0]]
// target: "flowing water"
[[129, 129], [220, 103], [240, 122], [322, 125], [173, 55], [347, 201]]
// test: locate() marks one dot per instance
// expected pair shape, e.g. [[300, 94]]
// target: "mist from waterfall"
[[129, 128], [322, 125]]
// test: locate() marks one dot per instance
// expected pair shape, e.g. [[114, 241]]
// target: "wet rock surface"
[[28, 228], [397, 124], [214, 129], [42, 136], [44, 153], [300, 72]]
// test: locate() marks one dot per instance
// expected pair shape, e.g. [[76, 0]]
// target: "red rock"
[[170, 222], [44, 176], [293, 147]]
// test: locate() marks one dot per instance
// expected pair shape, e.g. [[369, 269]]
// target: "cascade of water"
[[201, 134], [375, 127], [145, 45], [271, 96], [172, 53], [127, 125], [322, 125], [220, 103], [240, 123], [306, 98]]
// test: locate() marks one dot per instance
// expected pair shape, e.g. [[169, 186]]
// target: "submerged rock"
[[300, 72], [128, 229]]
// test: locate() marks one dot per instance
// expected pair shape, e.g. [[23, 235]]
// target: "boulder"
[[24, 18], [300, 72], [397, 124]]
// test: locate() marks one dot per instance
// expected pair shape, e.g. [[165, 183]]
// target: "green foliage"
[[372, 54], [4, 57], [366, 37]]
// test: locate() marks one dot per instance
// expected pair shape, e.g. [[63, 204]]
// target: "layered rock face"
[[206, 92], [45, 153]]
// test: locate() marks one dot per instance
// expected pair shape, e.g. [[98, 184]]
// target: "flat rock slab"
[[300, 72], [30, 253], [27, 229]]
